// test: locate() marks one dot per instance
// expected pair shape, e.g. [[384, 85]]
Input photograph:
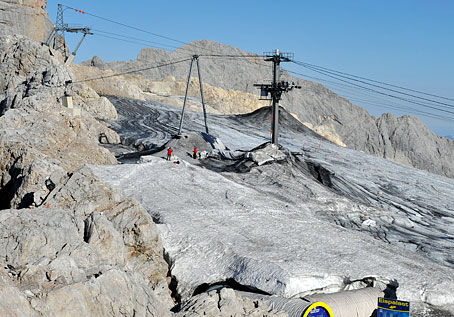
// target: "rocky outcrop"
[[329, 114], [89, 250], [407, 140], [225, 303], [90, 102], [72, 245], [31, 75], [327, 131], [25, 17], [40, 140], [27, 175]]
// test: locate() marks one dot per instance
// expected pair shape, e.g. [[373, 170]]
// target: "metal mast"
[[60, 44], [275, 89], [56, 39], [194, 58]]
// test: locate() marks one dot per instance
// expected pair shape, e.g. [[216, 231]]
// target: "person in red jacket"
[[194, 153], [169, 153]]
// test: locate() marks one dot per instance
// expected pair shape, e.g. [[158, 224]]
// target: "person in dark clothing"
[[194, 153], [169, 153]]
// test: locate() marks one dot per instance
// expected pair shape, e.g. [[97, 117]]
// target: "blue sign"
[[318, 312], [318, 309], [392, 308]]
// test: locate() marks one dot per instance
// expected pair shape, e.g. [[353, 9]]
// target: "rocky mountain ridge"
[[168, 90], [405, 140], [81, 236]]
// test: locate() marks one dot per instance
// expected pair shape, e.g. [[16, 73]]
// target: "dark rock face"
[[405, 140], [97, 62]]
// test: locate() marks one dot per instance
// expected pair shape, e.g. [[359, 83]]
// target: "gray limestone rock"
[[25, 17], [40, 147], [96, 61], [13, 302], [40, 140], [75, 246], [407, 140], [87, 249], [114, 293], [225, 302], [27, 176], [89, 101], [143, 252], [30, 75]]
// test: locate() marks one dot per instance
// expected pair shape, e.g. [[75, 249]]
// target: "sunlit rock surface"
[[25, 17], [71, 244]]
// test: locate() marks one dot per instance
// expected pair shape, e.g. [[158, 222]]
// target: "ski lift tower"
[[276, 88], [56, 39]]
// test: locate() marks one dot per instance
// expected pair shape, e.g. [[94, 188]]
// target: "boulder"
[[225, 303], [84, 194], [13, 302], [87, 249]]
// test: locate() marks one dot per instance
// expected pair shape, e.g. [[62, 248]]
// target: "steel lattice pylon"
[[56, 39], [60, 43]]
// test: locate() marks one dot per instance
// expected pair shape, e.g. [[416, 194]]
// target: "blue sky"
[[406, 43]]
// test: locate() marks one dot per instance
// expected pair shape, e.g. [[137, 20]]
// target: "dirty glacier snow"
[[324, 219]]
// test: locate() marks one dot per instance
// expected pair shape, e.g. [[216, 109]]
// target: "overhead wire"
[[133, 38], [379, 92], [134, 71], [379, 82], [128, 26], [143, 30], [365, 93], [127, 41], [397, 107], [194, 46], [319, 69], [348, 88], [349, 77], [127, 38]]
